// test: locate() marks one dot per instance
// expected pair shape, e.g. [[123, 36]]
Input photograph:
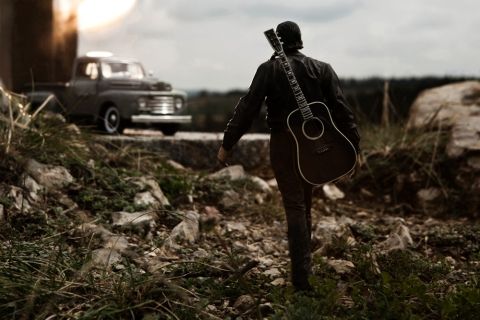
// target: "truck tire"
[[169, 129], [110, 121]]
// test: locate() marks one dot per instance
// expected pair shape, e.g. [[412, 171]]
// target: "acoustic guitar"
[[324, 153]]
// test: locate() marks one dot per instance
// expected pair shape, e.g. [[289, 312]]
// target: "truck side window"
[[87, 70]]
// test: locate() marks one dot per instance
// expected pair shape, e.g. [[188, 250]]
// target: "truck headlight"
[[142, 104], [178, 103]]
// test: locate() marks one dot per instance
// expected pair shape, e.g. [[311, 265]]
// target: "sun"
[[94, 14]]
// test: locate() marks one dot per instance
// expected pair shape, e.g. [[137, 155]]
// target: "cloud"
[[218, 44], [315, 12]]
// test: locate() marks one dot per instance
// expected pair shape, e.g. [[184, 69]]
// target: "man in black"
[[318, 82]]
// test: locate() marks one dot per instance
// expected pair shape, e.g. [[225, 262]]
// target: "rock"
[[464, 137], [341, 266], [175, 165], [127, 219], [244, 303], [185, 231], [332, 192], [50, 177], [117, 243], [153, 188], [399, 239], [272, 183], [235, 172], [278, 282], [330, 228], [146, 199], [34, 189], [201, 253], [259, 198], [273, 272], [90, 229], [429, 194], [445, 104], [19, 201], [105, 257], [261, 184], [2, 213], [198, 150], [236, 226], [230, 199]]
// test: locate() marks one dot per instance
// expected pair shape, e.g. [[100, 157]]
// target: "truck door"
[[84, 89]]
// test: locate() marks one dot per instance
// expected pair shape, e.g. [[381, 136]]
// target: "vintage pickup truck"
[[114, 93]]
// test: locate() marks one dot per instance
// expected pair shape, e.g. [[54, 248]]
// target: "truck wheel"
[[169, 129], [110, 121]]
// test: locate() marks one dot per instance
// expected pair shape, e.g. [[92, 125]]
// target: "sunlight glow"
[[95, 14]]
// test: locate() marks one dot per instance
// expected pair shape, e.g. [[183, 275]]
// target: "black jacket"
[[318, 82]]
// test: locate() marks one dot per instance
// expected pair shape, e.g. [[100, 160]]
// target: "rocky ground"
[[89, 230]]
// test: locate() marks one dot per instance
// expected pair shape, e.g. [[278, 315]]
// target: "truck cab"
[[116, 93]]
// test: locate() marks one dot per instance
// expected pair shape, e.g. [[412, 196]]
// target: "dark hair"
[[290, 35]]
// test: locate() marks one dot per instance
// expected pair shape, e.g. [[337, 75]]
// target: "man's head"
[[289, 33]]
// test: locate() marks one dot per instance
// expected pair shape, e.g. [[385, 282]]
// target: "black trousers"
[[297, 201]]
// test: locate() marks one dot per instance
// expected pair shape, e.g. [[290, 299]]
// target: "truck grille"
[[162, 105]]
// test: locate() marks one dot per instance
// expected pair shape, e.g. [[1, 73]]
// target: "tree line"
[[211, 110]]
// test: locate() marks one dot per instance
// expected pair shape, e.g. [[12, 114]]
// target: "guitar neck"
[[297, 91]]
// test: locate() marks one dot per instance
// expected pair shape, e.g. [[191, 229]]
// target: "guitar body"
[[324, 154]]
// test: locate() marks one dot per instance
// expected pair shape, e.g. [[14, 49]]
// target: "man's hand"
[[222, 156]]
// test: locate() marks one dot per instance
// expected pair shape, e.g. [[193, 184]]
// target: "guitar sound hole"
[[313, 128]]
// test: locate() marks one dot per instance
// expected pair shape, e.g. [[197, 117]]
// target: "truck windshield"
[[122, 70]]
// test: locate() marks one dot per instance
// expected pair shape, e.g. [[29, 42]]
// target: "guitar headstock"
[[274, 40]]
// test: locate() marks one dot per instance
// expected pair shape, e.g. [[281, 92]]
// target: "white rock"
[[132, 219], [278, 282], [117, 242], [259, 198], [274, 272], [261, 184], [329, 228], [236, 226], [201, 253], [146, 199], [235, 172], [185, 231], [272, 183], [93, 229], [399, 239], [51, 177], [332, 192], [429, 194], [445, 104], [341, 266], [105, 257], [19, 202], [464, 136], [33, 187], [230, 199], [176, 165], [153, 188], [265, 261]]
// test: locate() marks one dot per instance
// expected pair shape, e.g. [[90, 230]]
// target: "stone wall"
[[199, 150]]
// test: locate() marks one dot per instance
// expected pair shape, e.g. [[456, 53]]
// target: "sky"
[[218, 44]]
